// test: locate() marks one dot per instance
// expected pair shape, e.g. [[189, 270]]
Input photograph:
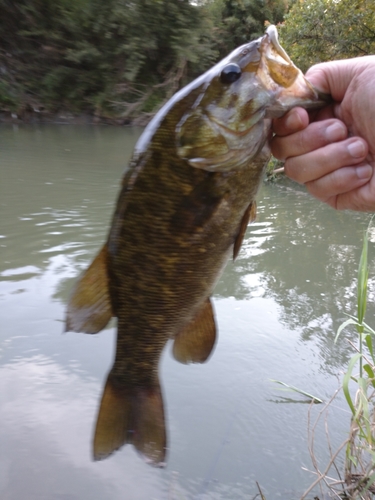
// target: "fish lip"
[[310, 101], [299, 91], [273, 36]]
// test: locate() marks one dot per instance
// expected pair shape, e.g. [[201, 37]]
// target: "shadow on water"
[[278, 308]]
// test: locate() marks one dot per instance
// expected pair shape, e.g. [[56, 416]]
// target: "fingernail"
[[356, 149], [335, 132], [364, 172]]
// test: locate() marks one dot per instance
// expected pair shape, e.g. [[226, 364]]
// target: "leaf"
[[344, 325], [370, 374], [300, 391], [345, 382], [368, 328], [364, 409], [362, 282], [368, 341]]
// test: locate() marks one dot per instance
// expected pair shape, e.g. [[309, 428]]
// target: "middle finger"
[[314, 136]]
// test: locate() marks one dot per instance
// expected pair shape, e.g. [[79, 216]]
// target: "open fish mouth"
[[279, 73], [271, 31]]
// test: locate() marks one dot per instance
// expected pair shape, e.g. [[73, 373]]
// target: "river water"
[[278, 308]]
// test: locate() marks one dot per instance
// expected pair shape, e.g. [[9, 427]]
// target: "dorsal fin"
[[89, 307], [248, 217], [194, 343]]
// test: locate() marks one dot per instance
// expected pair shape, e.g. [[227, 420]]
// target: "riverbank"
[[36, 116]]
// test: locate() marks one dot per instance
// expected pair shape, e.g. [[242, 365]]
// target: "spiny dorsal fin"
[[194, 343], [248, 217], [131, 415], [89, 307]]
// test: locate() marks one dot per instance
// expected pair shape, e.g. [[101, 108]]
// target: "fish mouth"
[[285, 80], [273, 37]]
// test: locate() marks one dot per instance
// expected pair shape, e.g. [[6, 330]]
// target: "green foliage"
[[240, 21], [91, 54], [360, 458], [124, 57], [322, 30], [118, 57]]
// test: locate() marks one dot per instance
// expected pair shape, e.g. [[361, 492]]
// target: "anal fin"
[[131, 415], [194, 343], [248, 217], [89, 307]]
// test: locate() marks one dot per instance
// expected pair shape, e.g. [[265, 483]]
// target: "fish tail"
[[131, 415]]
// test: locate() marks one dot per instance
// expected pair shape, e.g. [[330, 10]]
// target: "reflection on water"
[[277, 309], [304, 256]]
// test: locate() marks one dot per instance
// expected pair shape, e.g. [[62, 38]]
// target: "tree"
[[240, 21], [322, 30], [117, 57]]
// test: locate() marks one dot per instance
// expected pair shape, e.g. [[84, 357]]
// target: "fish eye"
[[230, 73]]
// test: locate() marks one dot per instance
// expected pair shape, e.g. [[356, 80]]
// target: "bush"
[[322, 30]]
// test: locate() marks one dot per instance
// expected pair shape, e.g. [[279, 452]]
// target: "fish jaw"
[[287, 82]]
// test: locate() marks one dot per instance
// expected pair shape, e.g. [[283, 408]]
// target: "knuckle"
[[277, 148], [303, 142], [315, 189], [294, 170]]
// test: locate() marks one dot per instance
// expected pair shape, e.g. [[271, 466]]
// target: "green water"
[[278, 308]]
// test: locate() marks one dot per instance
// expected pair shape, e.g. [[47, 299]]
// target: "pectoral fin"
[[194, 343], [248, 217], [89, 307], [131, 415]]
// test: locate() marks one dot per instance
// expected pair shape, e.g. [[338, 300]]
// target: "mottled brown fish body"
[[168, 249], [182, 211]]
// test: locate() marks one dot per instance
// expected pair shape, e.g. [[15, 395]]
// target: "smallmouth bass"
[[183, 209]]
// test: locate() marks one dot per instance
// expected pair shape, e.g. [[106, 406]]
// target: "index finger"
[[295, 120]]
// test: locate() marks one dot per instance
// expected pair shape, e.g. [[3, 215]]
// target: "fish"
[[185, 202]]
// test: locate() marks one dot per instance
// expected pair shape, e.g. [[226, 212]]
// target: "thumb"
[[332, 77]]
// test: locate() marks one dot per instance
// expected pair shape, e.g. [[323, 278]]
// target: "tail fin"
[[131, 415]]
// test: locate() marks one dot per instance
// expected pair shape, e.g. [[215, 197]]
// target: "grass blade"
[[344, 325], [345, 382], [368, 341], [362, 281], [370, 374], [300, 391]]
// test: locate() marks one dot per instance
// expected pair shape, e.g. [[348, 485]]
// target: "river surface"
[[278, 308]]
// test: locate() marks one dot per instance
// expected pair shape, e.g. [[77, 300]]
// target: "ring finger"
[[320, 162]]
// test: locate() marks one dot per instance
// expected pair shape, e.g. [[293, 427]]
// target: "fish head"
[[230, 121]]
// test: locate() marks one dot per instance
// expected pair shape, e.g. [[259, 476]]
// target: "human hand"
[[332, 151]]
